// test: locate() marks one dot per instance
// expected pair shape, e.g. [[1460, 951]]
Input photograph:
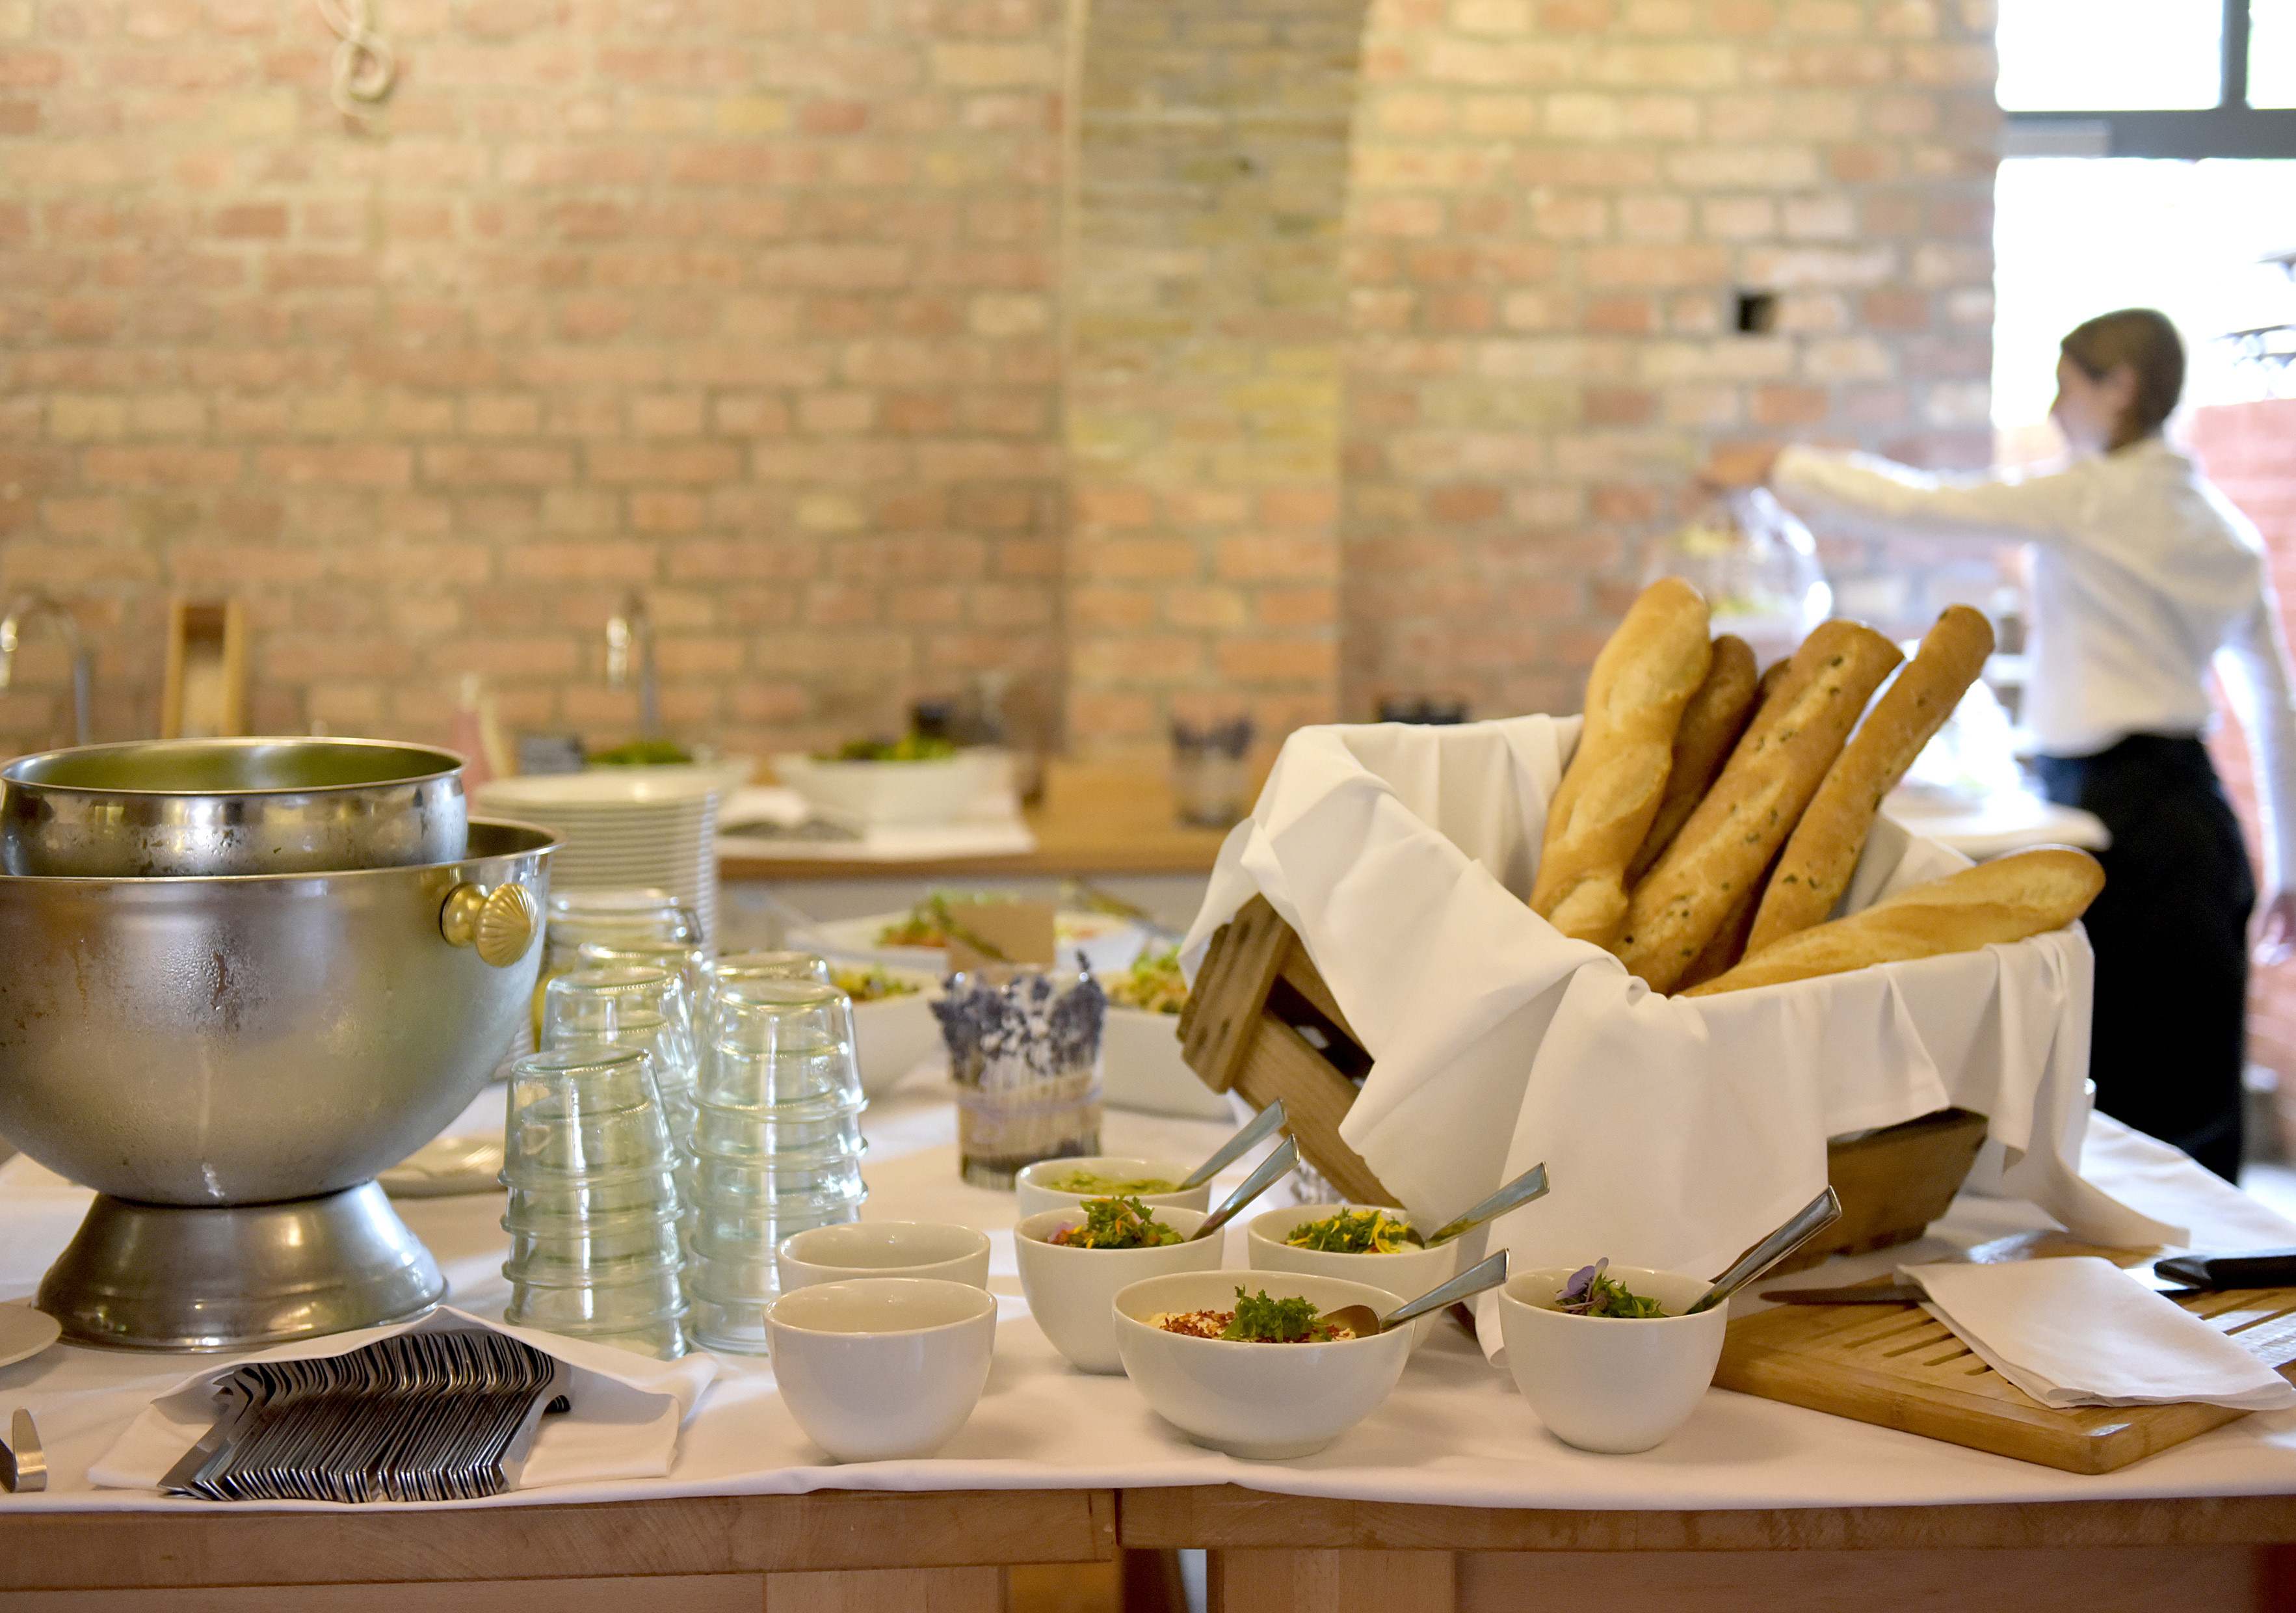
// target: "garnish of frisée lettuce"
[[1259, 1319], [1589, 1293]]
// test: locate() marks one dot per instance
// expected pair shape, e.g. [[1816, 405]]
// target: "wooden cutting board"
[[1897, 1366]]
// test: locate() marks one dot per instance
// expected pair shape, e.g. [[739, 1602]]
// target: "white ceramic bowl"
[[1261, 1402], [892, 1034], [1035, 1193], [1072, 1292], [1614, 1384], [1140, 1067], [867, 793], [884, 1367], [1409, 1273], [854, 1249]]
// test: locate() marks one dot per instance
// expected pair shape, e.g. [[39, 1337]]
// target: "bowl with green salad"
[[1608, 1355], [1356, 1242], [1074, 1259], [1058, 1184]]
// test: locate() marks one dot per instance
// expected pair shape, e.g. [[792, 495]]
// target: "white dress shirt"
[[2143, 574]]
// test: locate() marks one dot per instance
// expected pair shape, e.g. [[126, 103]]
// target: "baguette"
[[1711, 723], [1642, 679], [2002, 900], [1821, 853], [1751, 809]]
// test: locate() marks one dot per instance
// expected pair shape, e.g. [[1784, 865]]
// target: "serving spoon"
[[1363, 1321], [1275, 1166], [1234, 1149], [1531, 1184], [1808, 1222]]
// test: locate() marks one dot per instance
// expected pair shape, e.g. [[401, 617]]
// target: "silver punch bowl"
[[229, 1060], [168, 807]]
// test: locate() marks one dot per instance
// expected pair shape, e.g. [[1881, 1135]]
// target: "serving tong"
[[447, 1416]]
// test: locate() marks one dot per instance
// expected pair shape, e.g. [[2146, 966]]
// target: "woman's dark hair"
[[2142, 338]]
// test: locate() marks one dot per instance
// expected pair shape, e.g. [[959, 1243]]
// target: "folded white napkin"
[[2079, 1331], [626, 1409]]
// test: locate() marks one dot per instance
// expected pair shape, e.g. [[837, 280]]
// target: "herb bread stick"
[[2006, 900], [1716, 714], [1642, 679], [1823, 851], [1753, 806]]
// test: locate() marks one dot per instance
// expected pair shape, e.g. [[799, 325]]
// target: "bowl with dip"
[[1260, 1401], [1342, 1244], [1063, 1183], [1611, 1383], [1072, 1286]]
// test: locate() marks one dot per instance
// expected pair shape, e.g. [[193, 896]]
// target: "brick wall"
[[1329, 352], [1556, 203], [1206, 356], [751, 306], [2249, 449]]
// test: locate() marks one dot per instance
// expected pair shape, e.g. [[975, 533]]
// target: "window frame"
[[2230, 128]]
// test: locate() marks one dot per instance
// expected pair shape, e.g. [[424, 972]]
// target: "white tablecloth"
[[1455, 1432]]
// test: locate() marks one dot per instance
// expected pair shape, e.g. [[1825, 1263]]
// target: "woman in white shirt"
[[2143, 577]]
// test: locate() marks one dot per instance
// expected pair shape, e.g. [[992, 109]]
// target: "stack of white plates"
[[623, 828]]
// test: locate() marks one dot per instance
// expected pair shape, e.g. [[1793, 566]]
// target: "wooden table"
[[859, 1552], [1094, 819]]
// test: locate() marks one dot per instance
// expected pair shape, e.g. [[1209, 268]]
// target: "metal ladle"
[[1275, 1166], [1531, 1184], [1363, 1321], [1811, 1219], [1235, 1147]]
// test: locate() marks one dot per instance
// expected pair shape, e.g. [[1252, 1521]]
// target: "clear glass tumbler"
[[777, 1142]]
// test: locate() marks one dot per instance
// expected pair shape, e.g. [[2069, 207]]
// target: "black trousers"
[[2170, 932]]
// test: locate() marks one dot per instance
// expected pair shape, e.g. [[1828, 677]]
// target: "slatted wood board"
[[1897, 1366]]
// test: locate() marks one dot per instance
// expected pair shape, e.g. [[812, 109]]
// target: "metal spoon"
[[1811, 1219], [23, 1464], [1275, 1166], [1234, 1149], [1531, 1184], [1364, 1321]]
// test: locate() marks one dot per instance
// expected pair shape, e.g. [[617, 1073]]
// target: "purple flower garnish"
[[1579, 1292]]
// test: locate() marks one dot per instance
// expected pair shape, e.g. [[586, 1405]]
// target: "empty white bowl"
[[854, 1249], [885, 1368], [1408, 1271], [1615, 1384], [1035, 1193], [1261, 1402], [1072, 1292], [867, 793]]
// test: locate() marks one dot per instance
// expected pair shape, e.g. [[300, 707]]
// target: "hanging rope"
[[365, 68]]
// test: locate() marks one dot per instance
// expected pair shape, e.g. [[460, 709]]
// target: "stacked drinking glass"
[[777, 1136], [640, 1007], [594, 1208]]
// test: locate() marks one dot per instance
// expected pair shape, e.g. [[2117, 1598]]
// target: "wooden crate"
[[1261, 1021]]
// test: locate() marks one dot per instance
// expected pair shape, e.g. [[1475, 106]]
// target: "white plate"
[[1108, 942], [447, 1165], [25, 1332]]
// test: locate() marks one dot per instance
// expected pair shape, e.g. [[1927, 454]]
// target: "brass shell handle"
[[501, 924]]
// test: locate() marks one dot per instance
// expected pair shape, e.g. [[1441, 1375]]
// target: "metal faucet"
[[44, 607], [632, 628]]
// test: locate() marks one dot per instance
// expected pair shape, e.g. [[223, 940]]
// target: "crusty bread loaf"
[[1644, 676], [1821, 853], [1753, 806], [1711, 723], [1720, 955], [2006, 900]]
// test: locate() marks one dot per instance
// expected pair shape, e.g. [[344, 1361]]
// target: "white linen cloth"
[[2079, 1331], [2144, 576], [1676, 1131], [624, 1410], [1454, 1432]]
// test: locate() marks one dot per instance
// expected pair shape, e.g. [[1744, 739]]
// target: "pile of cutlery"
[[415, 1417]]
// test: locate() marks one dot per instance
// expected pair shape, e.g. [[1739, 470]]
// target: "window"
[[2178, 79]]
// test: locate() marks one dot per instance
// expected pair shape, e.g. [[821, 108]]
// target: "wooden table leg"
[[1261, 1581]]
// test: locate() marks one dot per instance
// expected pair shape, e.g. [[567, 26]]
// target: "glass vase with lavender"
[[1024, 1050]]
